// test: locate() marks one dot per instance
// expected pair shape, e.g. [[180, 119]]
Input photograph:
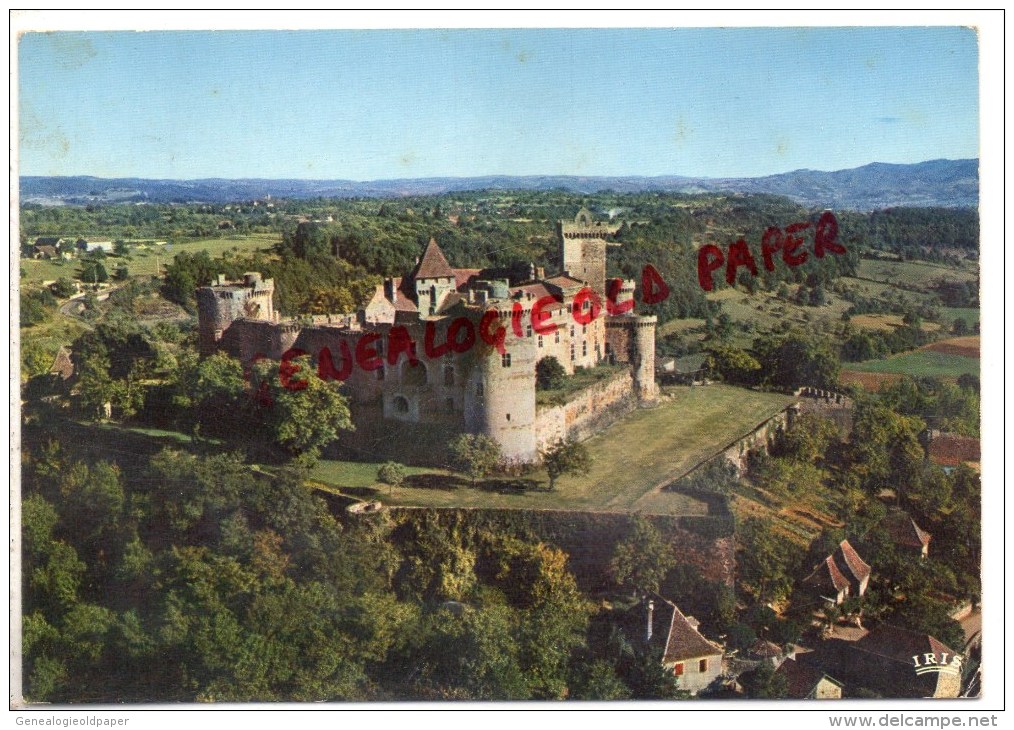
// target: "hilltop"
[[942, 183]]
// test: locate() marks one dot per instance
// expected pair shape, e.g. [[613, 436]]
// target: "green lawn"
[[648, 448], [926, 363]]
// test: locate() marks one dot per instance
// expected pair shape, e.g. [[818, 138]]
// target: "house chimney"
[[651, 618]]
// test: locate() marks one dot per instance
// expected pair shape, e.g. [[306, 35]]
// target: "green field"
[[143, 256], [915, 274], [246, 243], [648, 448], [922, 363], [36, 271], [969, 314]]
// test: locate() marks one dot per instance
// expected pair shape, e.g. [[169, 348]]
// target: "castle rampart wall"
[[590, 411]]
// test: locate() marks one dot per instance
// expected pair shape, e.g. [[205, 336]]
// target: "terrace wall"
[[590, 411]]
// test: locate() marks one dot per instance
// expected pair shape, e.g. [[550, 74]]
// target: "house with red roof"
[[839, 575]]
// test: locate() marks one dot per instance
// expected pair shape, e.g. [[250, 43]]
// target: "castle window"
[[505, 360], [540, 340], [702, 667], [508, 416], [478, 388], [584, 329], [607, 348], [572, 357], [449, 403], [558, 337], [380, 373], [572, 330], [448, 375], [529, 333], [400, 404], [584, 349]]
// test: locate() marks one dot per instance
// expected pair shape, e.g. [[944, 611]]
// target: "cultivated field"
[[913, 274], [648, 448], [887, 322], [945, 359]]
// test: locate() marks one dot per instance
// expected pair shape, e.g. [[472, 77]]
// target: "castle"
[[455, 347]]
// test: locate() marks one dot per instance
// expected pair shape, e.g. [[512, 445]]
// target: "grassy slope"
[[912, 273], [632, 457]]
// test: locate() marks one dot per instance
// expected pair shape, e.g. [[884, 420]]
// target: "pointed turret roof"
[[433, 264]]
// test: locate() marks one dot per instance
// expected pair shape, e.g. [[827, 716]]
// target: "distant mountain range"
[[947, 183]]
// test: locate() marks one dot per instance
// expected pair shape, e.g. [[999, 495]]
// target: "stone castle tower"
[[220, 304], [584, 245]]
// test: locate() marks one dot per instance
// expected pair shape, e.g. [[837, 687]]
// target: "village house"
[[905, 533], [950, 450], [890, 662], [839, 575], [695, 660], [808, 683]]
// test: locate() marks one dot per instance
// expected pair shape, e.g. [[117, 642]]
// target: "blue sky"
[[369, 105]]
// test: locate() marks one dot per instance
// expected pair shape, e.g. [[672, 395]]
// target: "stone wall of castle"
[[588, 412], [758, 440]]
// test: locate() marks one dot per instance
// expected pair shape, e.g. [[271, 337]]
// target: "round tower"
[[500, 401], [216, 310], [643, 358]]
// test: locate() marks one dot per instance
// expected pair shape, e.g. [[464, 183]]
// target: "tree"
[[93, 272], [566, 457], [549, 374], [476, 455], [765, 683], [304, 412], [766, 562], [392, 473], [642, 559], [120, 247], [733, 364], [63, 288]]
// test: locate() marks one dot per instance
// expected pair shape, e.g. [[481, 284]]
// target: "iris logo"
[[930, 663]]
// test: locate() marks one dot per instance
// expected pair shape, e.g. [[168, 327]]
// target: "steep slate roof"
[[827, 576], [802, 679], [47, 241], [903, 530], [685, 641], [850, 563], [433, 264]]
